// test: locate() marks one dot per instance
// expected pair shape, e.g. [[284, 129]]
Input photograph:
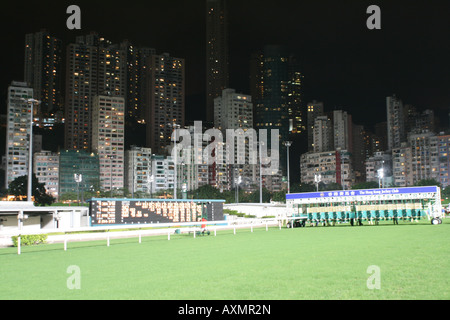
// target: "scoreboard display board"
[[129, 211]]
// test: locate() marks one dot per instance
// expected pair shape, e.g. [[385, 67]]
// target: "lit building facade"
[[165, 81], [323, 134], [444, 159], [46, 169], [217, 59], [314, 110], [108, 140], [94, 67], [138, 170], [342, 129], [395, 123], [380, 160], [17, 131], [43, 73], [402, 166], [424, 156], [334, 167]]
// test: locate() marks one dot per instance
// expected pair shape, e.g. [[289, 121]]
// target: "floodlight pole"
[[260, 173], [31, 103], [317, 180], [175, 138], [288, 144]]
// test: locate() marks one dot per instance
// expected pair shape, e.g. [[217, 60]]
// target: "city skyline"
[[345, 65]]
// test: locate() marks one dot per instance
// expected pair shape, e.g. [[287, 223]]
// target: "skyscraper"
[[46, 169], [43, 72], [165, 84], [343, 133], [323, 134], [277, 105], [233, 110], [314, 109], [395, 122], [17, 131], [138, 170], [108, 139], [217, 60], [94, 67], [297, 123]]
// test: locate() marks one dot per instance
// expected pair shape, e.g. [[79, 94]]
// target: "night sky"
[[345, 65]]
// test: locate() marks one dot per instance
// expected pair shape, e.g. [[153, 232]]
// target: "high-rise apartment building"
[[108, 139], [138, 171], [165, 81], [314, 110], [43, 72], [46, 169], [342, 128], [94, 67], [360, 152], [334, 167], [424, 156], [444, 159], [380, 160], [217, 60], [395, 122], [402, 166], [233, 111], [17, 131], [297, 123], [163, 172], [323, 134]]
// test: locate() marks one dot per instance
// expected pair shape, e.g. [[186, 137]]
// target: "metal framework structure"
[[370, 205]]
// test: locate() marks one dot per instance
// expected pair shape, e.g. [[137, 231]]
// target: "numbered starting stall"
[[370, 206]]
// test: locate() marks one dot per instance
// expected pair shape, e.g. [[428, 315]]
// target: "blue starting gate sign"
[[356, 193]]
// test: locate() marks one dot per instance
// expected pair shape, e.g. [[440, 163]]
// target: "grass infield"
[[313, 263]]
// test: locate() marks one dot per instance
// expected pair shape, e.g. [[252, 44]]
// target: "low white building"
[[20, 216]]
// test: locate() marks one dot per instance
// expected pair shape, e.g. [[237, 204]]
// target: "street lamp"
[[78, 179], [238, 182], [152, 178], [317, 180], [31, 103], [380, 176], [288, 144]]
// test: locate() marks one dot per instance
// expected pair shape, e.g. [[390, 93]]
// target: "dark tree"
[[19, 187], [366, 185]]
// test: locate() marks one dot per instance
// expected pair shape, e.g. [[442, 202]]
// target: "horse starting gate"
[[373, 205]]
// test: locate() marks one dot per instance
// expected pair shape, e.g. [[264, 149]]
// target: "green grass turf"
[[317, 263]]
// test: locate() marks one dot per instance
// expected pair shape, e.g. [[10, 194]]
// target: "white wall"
[[259, 210]]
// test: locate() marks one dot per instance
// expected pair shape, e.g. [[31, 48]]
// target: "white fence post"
[[18, 246], [65, 244], [107, 241]]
